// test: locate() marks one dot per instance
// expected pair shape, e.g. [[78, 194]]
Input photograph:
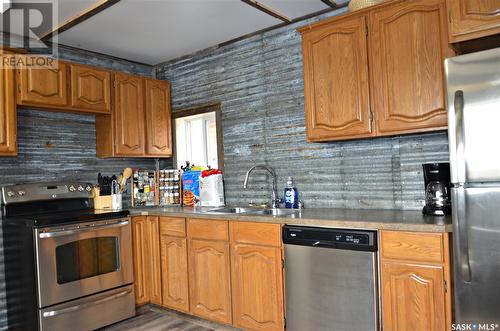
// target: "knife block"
[[102, 201]]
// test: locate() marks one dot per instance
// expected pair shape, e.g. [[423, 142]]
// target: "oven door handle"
[[52, 313], [61, 233]]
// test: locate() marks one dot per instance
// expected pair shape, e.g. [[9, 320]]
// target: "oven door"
[[82, 259]]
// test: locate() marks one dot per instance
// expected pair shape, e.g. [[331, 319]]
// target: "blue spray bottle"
[[291, 194]]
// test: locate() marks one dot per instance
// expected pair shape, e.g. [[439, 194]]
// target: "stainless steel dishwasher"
[[331, 279]]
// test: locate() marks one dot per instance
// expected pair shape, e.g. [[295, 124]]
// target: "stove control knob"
[[10, 194], [21, 193], [72, 188], [88, 188], [80, 188]]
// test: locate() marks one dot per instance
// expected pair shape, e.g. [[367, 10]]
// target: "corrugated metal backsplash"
[[57, 146], [260, 85]]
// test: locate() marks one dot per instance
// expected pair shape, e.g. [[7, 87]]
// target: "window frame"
[[198, 110]]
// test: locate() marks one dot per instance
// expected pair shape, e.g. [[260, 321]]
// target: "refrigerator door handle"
[[460, 228], [459, 135]]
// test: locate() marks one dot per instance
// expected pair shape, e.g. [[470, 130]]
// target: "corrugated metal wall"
[[61, 146], [260, 85]]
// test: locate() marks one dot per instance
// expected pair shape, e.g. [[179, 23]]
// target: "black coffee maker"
[[437, 189]]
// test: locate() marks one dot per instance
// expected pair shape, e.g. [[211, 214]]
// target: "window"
[[198, 137]]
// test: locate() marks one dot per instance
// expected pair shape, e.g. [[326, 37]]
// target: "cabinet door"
[[153, 240], [8, 125], [336, 88], [174, 273], [408, 47], [413, 297], [209, 280], [90, 88], [141, 259], [257, 286], [129, 115], [158, 118], [44, 87], [472, 19]]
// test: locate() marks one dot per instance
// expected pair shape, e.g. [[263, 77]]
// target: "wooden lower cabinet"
[[174, 264], [155, 286], [141, 259], [415, 293], [209, 280], [414, 297], [257, 286], [146, 254]]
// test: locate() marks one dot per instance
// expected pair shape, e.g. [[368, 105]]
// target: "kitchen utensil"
[[127, 173]]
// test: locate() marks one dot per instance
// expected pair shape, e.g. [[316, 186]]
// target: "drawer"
[[412, 246], [90, 312], [173, 226], [208, 229], [255, 233]]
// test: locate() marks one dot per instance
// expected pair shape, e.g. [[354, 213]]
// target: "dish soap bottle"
[[291, 195]]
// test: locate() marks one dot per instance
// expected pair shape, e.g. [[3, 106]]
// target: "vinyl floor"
[[151, 318]]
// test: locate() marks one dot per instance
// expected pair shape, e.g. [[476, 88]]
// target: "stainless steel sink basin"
[[272, 212], [229, 210], [253, 211]]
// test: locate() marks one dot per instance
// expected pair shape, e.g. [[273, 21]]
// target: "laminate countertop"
[[325, 217]]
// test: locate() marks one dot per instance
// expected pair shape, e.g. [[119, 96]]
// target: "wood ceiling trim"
[[330, 3], [267, 10], [77, 19]]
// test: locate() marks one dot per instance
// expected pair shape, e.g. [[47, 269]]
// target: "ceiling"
[[154, 31]]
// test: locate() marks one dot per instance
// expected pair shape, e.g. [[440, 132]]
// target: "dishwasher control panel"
[[362, 240]]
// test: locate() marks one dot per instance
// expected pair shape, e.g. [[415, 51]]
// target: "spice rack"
[[156, 188], [169, 187], [144, 188]]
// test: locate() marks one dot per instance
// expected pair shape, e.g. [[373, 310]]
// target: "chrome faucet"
[[276, 201]]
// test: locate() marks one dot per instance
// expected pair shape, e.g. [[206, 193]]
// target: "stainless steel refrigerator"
[[473, 85]]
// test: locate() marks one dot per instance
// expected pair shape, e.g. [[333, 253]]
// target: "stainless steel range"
[[67, 266]]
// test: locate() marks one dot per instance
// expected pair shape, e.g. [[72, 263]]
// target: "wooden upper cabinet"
[[408, 46], [158, 118], [90, 88], [8, 123], [209, 280], [129, 117], [43, 87], [336, 87], [471, 19], [413, 297]]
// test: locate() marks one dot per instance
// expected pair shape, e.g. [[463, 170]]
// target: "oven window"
[[87, 258]]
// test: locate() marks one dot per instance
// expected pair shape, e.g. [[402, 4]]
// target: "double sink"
[[253, 211]]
